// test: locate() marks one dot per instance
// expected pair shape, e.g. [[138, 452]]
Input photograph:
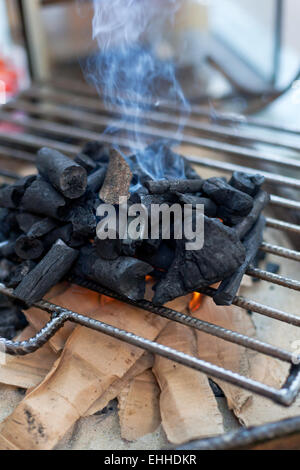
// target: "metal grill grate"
[[64, 115]]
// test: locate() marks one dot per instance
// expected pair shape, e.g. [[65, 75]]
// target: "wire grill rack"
[[65, 114]]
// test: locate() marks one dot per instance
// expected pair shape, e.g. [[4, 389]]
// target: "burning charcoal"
[[29, 248], [222, 254], [124, 275], [160, 259], [225, 195], [26, 220], [176, 185], [86, 162], [50, 270], [96, 151], [210, 208], [96, 180], [228, 217], [18, 273], [249, 184], [229, 286], [109, 249], [42, 198], [117, 180], [41, 228], [11, 195], [260, 202], [69, 178]]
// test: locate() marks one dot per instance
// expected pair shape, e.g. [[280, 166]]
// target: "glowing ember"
[[195, 303]]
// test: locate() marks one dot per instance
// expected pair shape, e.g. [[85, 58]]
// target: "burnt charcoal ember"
[[161, 258], [225, 195], [11, 195], [222, 254], [96, 180], [25, 221], [229, 287], [41, 228], [48, 272], [117, 180], [29, 248], [246, 183], [86, 162], [69, 178], [229, 217], [260, 202], [18, 273], [175, 185], [124, 275], [210, 208], [109, 249], [97, 152], [41, 198]]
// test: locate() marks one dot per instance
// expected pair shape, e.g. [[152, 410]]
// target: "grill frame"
[[33, 120]]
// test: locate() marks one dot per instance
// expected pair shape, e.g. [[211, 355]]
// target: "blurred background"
[[241, 53]]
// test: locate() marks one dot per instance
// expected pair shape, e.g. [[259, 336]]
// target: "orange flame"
[[195, 303]]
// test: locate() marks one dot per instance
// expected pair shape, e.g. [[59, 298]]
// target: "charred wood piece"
[[69, 178], [49, 271], [260, 202], [249, 184], [41, 198], [96, 180], [176, 185], [124, 275], [229, 287], [222, 254], [210, 208], [11, 195], [41, 228], [223, 194], [29, 248], [86, 162], [97, 152], [19, 272]]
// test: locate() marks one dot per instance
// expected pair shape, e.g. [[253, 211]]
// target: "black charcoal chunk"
[[41, 198], [41, 228], [225, 195], [161, 259], [246, 183], [83, 220], [7, 248], [96, 180], [124, 275], [29, 248], [64, 233], [222, 254], [11, 195], [210, 208], [229, 287], [26, 220], [97, 151], [19, 272], [260, 202], [69, 178], [86, 162], [109, 249], [175, 185], [50, 270]]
